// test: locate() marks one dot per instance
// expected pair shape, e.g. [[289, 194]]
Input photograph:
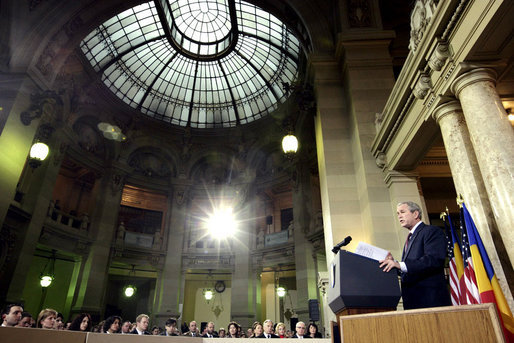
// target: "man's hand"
[[389, 263]]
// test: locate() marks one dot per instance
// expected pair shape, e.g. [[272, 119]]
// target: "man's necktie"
[[407, 243]]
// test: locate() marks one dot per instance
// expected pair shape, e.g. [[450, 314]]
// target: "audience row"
[[13, 315]]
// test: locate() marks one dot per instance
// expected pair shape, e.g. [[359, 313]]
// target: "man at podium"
[[422, 266]]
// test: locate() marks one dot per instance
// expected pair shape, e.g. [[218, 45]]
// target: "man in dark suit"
[[422, 265], [210, 333], [170, 328], [268, 330], [300, 331], [193, 331], [142, 322]]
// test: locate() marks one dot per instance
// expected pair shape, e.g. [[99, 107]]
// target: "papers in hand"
[[368, 250]]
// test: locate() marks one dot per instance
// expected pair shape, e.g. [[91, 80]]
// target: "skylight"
[[204, 64]]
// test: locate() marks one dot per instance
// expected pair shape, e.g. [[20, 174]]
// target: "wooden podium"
[[468, 323]]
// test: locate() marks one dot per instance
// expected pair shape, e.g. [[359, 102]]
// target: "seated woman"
[[312, 331], [233, 330], [280, 330], [46, 319], [112, 325], [256, 330], [81, 323]]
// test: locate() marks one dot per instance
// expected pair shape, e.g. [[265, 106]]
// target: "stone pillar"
[[339, 193], [15, 137], [402, 187], [39, 183], [93, 281], [469, 183], [493, 141], [242, 310], [368, 79], [171, 276], [303, 250]]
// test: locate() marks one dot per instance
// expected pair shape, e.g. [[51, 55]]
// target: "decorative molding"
[[379, 118], [423, 85], [439, 56], [359, 13], [381, 160]]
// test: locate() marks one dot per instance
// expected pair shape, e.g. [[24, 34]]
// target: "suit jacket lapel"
[[413, 238]]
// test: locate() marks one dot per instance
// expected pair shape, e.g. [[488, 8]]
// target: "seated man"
[[11, 315], [193, 331], [26, 320], [210, 333], [170, 328], [300, 331], [268, 330], [142, 323]]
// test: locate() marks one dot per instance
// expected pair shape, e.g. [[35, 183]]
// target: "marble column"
[[493, 141], [93, 281], [305, 264], [171, 276], [468, 182]]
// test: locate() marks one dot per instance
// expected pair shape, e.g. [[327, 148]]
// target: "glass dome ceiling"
[[204, 64]]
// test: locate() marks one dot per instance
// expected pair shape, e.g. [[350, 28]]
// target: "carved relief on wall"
[[215, 170], [88, 136], [419, 20], [151, 163], [359, 13]]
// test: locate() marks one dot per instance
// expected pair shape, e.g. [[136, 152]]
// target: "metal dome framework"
[[197, 63]]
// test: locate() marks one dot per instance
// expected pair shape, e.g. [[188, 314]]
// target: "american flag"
[[468, 283], [456, 263]]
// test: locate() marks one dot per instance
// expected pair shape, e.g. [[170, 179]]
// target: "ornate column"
[[493, 141], [93, 280], [171, 277], [469, 183]]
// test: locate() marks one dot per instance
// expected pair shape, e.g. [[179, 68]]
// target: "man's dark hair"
[[25, 314], [171, 322], [7, 309]]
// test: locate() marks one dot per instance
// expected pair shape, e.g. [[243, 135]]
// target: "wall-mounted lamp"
[[38, 153], [47, 275], [208, 294], [129, 291]]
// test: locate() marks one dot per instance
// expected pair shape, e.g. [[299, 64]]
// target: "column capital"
[[473, 76], [445, 109], [393, 176]]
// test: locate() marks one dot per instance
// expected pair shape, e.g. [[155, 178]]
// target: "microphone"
[[344, 242]]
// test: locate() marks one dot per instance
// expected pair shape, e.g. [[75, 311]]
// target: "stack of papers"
[[368, 250]]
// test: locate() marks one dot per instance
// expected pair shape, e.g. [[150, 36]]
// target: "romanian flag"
[[488, 286], [456, 264]]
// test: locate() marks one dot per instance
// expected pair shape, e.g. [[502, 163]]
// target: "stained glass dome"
[[203, 64]]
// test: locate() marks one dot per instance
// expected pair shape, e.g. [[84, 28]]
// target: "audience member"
[[26, 320], [209, 331], [233, 328], [268, 329], [112, 325], [249, 332], [280, 330], [59, 324], [99, 327], [170, 328], [156, 331], [11, 315], [81, 323], [221, 332], [142, 323], [312, 331], [126, 327], [300, 331], [46, 319], [257, 330], [193, 330]]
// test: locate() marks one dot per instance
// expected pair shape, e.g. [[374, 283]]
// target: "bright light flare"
[[222, 224], [45, 281], [129, 291]]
